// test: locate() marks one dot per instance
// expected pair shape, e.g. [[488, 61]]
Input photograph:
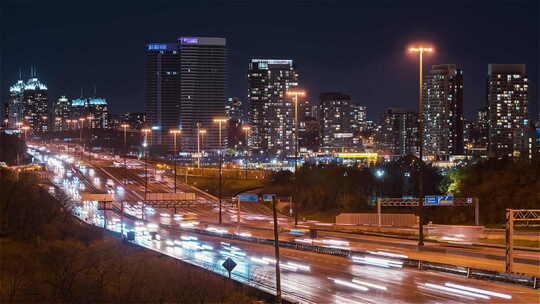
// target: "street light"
[[25, 128], [124, 126], [219, 121], [420, 50], [199, 135], [379, 173], [174, 132], [81, 127], [246, 129], [295, 93], [145, 131]]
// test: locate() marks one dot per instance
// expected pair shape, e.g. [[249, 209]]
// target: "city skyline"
[[332, 66]]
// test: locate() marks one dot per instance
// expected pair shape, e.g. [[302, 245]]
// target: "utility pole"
[[276, 250], [509, 240]]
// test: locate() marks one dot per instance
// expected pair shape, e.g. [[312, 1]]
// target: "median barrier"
[[480, 274]]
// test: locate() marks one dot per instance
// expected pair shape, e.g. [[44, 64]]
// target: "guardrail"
[[469, 272]]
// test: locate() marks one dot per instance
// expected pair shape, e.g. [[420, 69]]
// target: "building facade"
[[336, 122], [271, 111], [62, 112], [443, 111], [36, 105], [507, 101], [15, 106], [398, 132], [185, 89]]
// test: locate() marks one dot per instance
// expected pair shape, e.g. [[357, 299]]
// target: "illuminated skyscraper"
[[185, 89], [62, 112], [271, 112], [443, 111], [398, 132], [336, 122], [36, 105], [15, 104], [507, 99]]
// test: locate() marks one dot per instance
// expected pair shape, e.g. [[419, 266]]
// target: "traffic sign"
[[229, 264], [248, 197], [439, 200], [268, 197]]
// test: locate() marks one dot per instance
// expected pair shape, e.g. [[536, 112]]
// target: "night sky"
[[353, 47]]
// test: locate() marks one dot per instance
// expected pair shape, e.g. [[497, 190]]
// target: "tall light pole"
[[421, 50], [295, 94], [219, 121], [81, 127], [246, 129], [145, 131], [174, 132], [90, 119], [200, 141], [25, 128], [123, 126]]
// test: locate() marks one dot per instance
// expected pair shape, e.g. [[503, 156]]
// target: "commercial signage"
[[439, 200], [189, 40]]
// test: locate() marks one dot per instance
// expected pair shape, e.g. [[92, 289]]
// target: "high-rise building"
[[98, 112], [359, 119], [336, 121], [234, 109], [271, 111], [507, 100], [36, 105], [62, 112], [185, 88], [398, 132], [443, 111], [15, 107], [162, 90]]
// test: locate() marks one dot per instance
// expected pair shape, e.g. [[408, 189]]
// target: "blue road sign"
[[248, 197], [268, 197], [439, 200]]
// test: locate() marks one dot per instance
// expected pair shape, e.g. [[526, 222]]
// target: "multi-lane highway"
[[306, 277]]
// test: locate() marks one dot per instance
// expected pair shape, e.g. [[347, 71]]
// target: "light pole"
[[25, 128], [420, 50], [219, 121], [90, 119], [174, 132], [200, 141], [124, 126], [81, 127], [145, 131], [295, 94], [246, 129]]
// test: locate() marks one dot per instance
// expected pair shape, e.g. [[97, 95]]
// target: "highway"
[[306, 277]]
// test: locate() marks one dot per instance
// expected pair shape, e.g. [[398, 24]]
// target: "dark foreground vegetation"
[[48, 256], [12, 150]]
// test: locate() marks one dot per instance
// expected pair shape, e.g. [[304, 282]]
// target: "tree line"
[[335, 188]]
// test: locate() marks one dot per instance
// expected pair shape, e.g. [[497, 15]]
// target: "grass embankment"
[[229, 186], [48, 256]]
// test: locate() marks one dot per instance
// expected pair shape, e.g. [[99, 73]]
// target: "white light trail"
[[481, 291]]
